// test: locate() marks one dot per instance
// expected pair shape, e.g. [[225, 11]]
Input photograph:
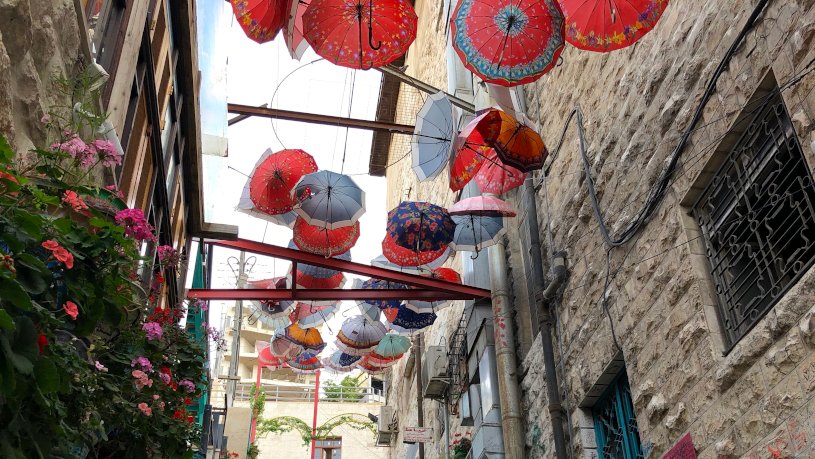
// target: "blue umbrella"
[[379, 284], [433, 133], [420, 226], [408, 322], [474, 232], [341, 361], [329, 200], [316, 271]]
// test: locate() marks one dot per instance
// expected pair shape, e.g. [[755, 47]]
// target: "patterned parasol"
[[307, 362], [495, 177], [261, 20], [515, 143], [310, 316], [309, 338], [488, 206], [265, 356], [379, 284], [340, 361], [420, 226], [408, 322], [401, 256], [325, 242], [360, 333], [606, 25]]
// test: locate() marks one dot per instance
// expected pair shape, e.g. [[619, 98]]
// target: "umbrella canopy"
[[379, 284], [308, 338], [261, 20], [340, 344], [293, 35], [307, 362], [361, 333], [367, 367], [305, 281], [322, 241], [515, 143], [382, 262], [606, 25], [341, 361], [508, 42], [405, 321], [433, 134], [283, 348], [474, 233], [407, 257], [369, 311], [392, 345], [470, 151], [360, 34], [446, 274], [424, 307], [380, 361], [329, 200], [265, 356], [274, 178], [488, 206], [310, 316], [269, 312], [495, 177], [317, 271], [420, 226]]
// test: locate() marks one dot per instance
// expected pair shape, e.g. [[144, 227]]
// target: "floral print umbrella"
[[310, 316], [407, 322], [322, 241], [508, 42], [606, 25], [261, 20], [274, 177], [420, 226], [360, 34], [379, 284], [495, 177], [340, 361], [307, 362]]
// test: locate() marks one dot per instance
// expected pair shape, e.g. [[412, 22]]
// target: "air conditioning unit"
[[385, 426], [434, 372]]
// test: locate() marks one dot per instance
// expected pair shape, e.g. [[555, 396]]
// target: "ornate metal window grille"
[[615, 424], [757, 217]]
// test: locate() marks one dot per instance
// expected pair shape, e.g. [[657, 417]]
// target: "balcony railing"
[[306, 394]]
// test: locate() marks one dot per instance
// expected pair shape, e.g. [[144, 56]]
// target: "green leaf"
[[31, 279], [12, 293], [30, 223], [6, 321], [47, 376], [25, 339], [6, 153], [22, 364]]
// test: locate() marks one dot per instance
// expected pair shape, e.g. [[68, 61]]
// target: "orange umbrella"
[[309, 338], [515, 143]]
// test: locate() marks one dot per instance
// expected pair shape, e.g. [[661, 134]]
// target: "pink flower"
[[107, 152], [146, 410], [165, 378], [60, 253], [138, 374], [135, 224], [82, 153], [168, 256], [187, 385], [70, 308], [143, 363], [153, 331], [100, 367], [73, 200], [45, 119], [156, 397]]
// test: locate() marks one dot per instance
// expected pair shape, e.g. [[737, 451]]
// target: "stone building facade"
[[743, 390]]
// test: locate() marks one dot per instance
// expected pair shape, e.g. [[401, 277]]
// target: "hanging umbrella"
[[269, 312], [369, 311], [311, 282], [495, 177], [328, 200], [446, 274], [606, 25], [293, 35], [433, 133], [265, 356], [283, 348], [508, 42], [322, 241], [308, 338], [469, 153], [380, 361], [340, 361], [407, 322], [360, 34], [307, 362], [340, 344], [274, 178], [392, 345], [317, 271], [310, 316], [515, 143], [407, 257], [247, 206], [363, 365], [382, 262], [474, 233], [261, 20], [420, 226], [379, 284], [488, 206], [360, 333]]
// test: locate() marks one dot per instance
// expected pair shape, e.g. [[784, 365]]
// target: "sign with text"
[[683, 449], [418, 435]]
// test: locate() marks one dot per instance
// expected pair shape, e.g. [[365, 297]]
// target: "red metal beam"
[[427, 283], [323, 294]]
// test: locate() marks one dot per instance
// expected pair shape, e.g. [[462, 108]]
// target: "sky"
[[266, 74]]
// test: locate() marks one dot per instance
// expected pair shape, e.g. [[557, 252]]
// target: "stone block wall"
[[39, 40], [755, 401]]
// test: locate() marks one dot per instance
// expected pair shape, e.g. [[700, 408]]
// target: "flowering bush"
[[88, 367], [461, 445]]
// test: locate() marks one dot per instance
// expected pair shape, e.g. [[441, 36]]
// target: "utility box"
[[434, 372]]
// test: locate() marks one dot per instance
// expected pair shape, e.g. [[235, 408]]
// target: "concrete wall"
[[39, 39]]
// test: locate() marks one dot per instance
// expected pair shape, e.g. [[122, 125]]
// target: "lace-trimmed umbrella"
[[282, 347], [340, 361], [508, 42], [310, 316], [360, 335], [401, 256], [408, 322], [307, 362], [360, 34], [607, 25], [269, 312], [265, 356]]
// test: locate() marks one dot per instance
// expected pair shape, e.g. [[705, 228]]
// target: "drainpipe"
[[512, 422], [545, 315]]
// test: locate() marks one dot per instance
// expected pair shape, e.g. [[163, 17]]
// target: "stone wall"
[[755, 401], [39, 40]]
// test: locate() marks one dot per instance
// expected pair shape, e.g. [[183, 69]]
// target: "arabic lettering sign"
[[418, 435], [683, 449]]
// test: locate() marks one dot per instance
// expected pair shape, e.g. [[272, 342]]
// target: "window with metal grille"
[[615, 424], [757, 217]]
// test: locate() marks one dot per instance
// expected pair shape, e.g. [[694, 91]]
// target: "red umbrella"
[[447, 274], [485, 206], [322, 241], [395, 253], [508, 42], [360, 34], [261, 20], [495, 177], [273, 179], [515, 143], [295, 41], [306, 281], [470, 151], [606, 25]]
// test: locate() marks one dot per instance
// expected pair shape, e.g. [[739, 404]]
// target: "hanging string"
[[350, 104]]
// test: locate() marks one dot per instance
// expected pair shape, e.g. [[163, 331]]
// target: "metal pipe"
[[545, 315], [236, 339], [265, 112], [446, 402], [417, 356], [509, 392], [318, 294], [422, 86], [314, 420]]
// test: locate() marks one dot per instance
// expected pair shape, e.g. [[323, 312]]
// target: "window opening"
[[615, 424]]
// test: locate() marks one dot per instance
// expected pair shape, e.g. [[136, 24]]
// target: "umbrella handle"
[[371, 27]]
